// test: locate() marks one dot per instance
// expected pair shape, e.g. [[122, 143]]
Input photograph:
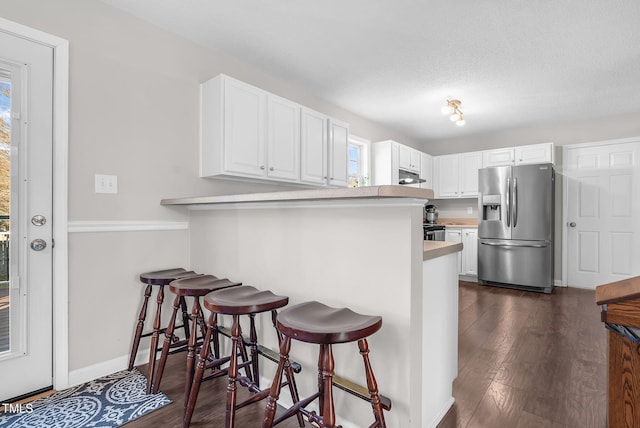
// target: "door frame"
[[60, 161], [565, 195]]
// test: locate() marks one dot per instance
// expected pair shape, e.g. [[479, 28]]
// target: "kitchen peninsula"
[[360, 248]]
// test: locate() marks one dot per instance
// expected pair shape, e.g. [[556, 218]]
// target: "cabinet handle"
[[271, 169], [261, 166]]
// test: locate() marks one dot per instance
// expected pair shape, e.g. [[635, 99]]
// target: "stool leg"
[[327, 409], [168, 339], [140, 326], [190, 403], [253, 339], [372, 385], [274, 392], [236, 344], [185, 317], [196, 317], [293, 388], [153, 348]]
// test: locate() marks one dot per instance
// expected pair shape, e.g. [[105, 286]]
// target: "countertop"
[[458, 222], [346, 193], [433, 249]]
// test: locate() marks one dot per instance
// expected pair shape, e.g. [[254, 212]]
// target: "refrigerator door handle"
[[508, 202], [497, 244], [515, 201]]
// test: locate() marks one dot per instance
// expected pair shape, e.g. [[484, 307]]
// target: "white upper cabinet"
[[469, 164], [446, 176], [456, 176], [249, 133], [535, 153], [499, 157], [409, 159], [313, 147], [520, 155], [338, 153], [426, 171], [283, 138], [385, 163], [390, 156], [232, 128]]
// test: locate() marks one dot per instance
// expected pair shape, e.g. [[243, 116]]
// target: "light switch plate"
[[106, 183], [469, 210]]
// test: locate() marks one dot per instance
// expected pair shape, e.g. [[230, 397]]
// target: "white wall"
[[134, 113]]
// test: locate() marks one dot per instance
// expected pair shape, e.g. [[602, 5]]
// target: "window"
[[358, 161]]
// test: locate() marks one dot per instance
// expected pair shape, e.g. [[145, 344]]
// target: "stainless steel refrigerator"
[[515, 226]]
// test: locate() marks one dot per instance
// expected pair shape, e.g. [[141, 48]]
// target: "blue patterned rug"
[[110, 401]]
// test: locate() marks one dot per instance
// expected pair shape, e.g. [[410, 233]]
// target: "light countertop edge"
[[434, 249], [367, 192]]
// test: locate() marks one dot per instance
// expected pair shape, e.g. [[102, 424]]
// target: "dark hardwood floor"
[[525, 360], [529, 359]]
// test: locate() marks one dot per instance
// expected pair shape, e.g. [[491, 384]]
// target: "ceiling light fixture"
[[452, 108]]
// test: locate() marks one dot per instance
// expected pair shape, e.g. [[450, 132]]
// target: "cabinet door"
[[426, 171], [535, 153], [338, 153], [498, 157], [455, 235], [244, 129], [469, 164], [409, 159], [283, 139], [313, 147], [447, 176], [415, 160], [470, 252]]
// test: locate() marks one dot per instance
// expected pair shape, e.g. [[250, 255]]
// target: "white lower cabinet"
[[455, 235], [470, 252], [468, 257]]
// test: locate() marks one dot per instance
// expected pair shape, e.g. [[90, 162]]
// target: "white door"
[[26, 97], [603, 213]]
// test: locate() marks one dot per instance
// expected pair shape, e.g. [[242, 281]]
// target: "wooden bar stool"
[[196, 287], [158, 278], [314, 322], [237, 301]]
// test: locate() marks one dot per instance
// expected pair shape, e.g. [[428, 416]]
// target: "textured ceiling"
[[512, 63]]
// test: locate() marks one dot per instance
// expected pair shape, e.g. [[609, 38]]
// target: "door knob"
[[38, 220], [572, 224], [38, 244]]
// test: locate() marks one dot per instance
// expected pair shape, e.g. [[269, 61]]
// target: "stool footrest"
[[297, 407], [359, 391], [268, 353]]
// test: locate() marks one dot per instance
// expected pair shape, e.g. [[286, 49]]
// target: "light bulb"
[[460, 122], [446, 110], [454, 117]]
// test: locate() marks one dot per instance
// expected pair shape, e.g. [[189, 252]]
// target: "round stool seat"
[[314, 322], [243, 300], [199, 285], [164, 277]]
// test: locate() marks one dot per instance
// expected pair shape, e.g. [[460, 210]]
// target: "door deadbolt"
[[38, 220], [38, 244], [572, 224]]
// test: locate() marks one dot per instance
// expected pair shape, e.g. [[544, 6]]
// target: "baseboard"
[[442, 413], [86, 374]]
